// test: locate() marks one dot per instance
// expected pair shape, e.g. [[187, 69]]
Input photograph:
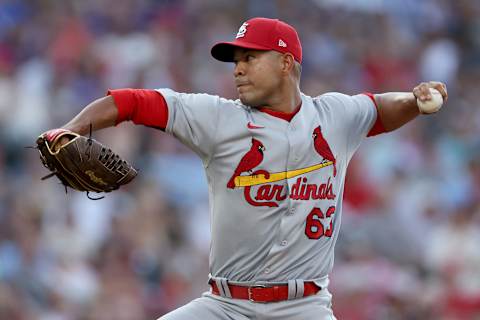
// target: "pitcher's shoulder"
[[331, 96], [333, 100], [235, 104], [199, 99]]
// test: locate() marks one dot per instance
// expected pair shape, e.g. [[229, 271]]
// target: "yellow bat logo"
[[253, 180]]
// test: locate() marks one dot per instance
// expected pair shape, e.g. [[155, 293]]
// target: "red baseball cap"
[[261, 34]]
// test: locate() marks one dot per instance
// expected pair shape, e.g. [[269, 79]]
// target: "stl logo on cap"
[[241, 32]]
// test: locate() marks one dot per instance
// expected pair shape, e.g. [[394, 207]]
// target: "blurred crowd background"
[[410, 240]]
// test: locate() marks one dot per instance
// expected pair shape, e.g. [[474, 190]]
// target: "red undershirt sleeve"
[[377, 127], [141, 106]]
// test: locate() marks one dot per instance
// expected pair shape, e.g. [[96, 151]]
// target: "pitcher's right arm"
[[142, 106]]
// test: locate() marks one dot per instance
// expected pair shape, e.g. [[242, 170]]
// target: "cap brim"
[[223, 51]]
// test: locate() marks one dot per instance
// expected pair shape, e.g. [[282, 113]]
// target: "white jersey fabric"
[[275, 215]]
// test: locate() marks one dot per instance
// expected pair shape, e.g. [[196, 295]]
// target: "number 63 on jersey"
[[314, 228]]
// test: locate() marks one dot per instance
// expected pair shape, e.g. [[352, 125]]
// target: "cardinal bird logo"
[[322, 148], [250, 160]]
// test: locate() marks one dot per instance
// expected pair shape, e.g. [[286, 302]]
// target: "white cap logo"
[[282, 43], [241, 32]]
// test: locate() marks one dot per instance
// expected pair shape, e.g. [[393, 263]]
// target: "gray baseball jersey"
[[275, 187]]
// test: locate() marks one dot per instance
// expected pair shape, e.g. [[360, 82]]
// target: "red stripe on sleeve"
[[142, 106], [378, 127]]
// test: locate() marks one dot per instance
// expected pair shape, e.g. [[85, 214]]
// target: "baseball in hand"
[[432, 105]]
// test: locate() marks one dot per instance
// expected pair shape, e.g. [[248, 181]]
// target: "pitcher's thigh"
[[317, 312], [316, 307], [206, 308]]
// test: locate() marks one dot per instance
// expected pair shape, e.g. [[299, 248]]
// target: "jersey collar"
[[287, 116]]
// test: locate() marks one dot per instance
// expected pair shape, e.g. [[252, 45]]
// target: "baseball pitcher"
[[275, 161]]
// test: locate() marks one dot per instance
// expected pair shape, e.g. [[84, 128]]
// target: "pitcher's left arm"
[[397, 108]]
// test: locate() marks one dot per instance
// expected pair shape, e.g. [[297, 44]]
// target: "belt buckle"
[[249, 290]]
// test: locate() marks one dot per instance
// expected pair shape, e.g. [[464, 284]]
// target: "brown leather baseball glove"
[[82, 163]]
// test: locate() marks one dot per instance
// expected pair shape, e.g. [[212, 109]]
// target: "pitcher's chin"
[[248, 101]]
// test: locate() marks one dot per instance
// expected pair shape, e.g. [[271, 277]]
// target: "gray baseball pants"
[[213, 307]]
